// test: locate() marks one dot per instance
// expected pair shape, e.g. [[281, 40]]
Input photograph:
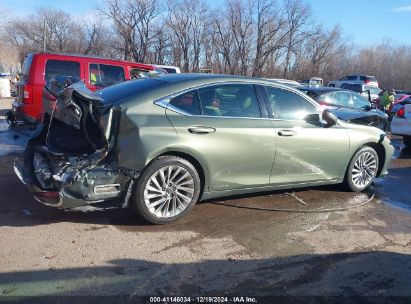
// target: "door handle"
[[201, 130], [287, 133]]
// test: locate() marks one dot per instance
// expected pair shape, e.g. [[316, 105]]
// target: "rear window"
[[128, 89], [349, 78], [170, 70], [25, 70], [368, 78], [55, 68], [352, 87]]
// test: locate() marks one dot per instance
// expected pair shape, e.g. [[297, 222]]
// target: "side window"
[[104, 75], [55, 68], [288, 105], [328, 98], [187, 102], [139, 73], [359, 101], [235, 100], [342, 99]]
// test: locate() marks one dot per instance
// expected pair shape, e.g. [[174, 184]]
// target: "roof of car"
[[154, 88], [204, 77], [70, 55]]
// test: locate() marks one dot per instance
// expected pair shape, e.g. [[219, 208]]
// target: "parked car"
[[355, 79], [287, 82], [370, 92], [403, 92], [349, 106], [97, 73], [398, 102], [169, 68], [161, 145], [401, 122], [313, 82]]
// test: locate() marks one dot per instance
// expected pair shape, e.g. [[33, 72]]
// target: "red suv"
[[41, 67]]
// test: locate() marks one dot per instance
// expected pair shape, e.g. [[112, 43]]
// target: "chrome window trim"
[[164, 101]]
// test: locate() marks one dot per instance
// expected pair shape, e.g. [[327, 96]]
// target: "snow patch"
[[11, 141]]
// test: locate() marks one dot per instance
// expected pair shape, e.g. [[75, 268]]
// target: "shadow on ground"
[[346, 274]]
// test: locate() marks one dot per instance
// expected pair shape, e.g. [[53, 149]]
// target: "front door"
[[224, 123], [306, 151]]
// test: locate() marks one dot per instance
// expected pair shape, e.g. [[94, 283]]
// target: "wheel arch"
[[379, 148], [195, 161]]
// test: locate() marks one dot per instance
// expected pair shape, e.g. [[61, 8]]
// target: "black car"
[[349, 106]]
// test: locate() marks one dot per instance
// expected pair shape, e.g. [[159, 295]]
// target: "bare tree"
[[187, 24], [270, 35], [298, 15], [137, 22]]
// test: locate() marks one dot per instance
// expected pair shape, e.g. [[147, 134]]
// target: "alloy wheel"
[[169, 191], [364, 170]]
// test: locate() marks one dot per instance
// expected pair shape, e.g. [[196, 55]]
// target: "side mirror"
[[329, 118], [312, 118]]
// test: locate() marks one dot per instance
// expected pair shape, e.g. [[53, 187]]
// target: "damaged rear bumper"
[[72, 162], [98, 189]]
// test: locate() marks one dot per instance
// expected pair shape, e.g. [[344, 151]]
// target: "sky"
[[364, 22]]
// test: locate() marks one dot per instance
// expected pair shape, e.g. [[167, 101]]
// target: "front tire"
[[362, 169], [167, 190]]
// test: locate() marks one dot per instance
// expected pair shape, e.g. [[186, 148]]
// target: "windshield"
[[360, 102]]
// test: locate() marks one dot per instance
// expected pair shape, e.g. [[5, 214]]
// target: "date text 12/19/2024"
[[203, 300]]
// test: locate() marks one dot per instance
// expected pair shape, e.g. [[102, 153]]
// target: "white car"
[[168, 68], [401, 124], [356, 79]]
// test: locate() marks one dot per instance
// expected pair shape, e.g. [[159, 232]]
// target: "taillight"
[[323, 104], [400, 113], [367, 81], [27, 94]]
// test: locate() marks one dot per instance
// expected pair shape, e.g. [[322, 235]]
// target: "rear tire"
[[407, 141], [362, 169], [11, 119], [166, 190]]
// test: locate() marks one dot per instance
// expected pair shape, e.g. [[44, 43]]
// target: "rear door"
[[306, 151], [224, 124]]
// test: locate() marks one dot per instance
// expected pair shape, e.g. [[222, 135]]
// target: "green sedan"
[[160, 145]]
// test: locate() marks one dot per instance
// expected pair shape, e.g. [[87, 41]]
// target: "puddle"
[[398, 205], [393, 189]]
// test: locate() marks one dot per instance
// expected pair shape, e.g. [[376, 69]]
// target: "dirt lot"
[[216, 249]]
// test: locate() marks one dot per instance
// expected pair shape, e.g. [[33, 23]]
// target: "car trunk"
[[77, 135], [79, 121]]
